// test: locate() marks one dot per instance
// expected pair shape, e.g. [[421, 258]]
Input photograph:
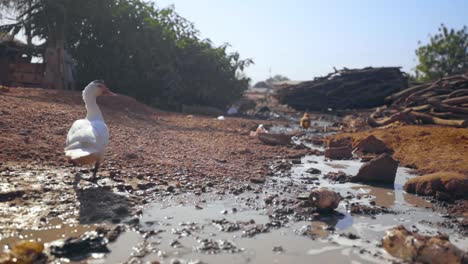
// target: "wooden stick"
[[400, 116], [457, 93], [456, 100], [428, 119]]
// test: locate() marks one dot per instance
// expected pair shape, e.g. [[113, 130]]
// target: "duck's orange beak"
[[108, 92]]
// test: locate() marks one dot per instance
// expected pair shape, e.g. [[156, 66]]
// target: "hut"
[[16, 68]]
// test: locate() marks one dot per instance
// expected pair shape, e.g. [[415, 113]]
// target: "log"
[[443, 102], [456, 100], [421, 108], [437, 105], [446, 115], [344, 89], [400, 116], [428, 119], [457, 93], [405, 92]]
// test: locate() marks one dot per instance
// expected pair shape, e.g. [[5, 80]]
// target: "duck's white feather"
[[87, 138]]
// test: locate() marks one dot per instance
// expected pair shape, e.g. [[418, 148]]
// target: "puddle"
[[55, 229], [180, 228], [410, 210], [188, 226]]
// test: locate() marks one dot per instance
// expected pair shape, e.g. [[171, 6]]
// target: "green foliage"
[[152, 54], [446, 54]]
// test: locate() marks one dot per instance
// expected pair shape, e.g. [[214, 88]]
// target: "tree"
[[277, 78], [268, 83], [446, 54], [152, 54], [262, 84]]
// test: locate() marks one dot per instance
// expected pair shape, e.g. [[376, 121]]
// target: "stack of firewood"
[[344, 89], [443, 102]]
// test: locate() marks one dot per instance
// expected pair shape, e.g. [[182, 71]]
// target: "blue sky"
[[305, 38]]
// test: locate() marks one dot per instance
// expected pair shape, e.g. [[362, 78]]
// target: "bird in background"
[[87, 138], [305, 121]]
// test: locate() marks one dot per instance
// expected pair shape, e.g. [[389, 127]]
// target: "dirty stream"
[[255, 223]]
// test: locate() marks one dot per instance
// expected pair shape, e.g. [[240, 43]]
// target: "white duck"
[[87, 139]]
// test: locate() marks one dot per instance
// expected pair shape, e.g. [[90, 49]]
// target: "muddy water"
[[54, 230], [181, 227], [295, 248]]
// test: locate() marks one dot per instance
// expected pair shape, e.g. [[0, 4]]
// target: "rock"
[[300, 146], [176, 261], [314, 171], [317, 141], [10, 195], [25, 252], [340, 142], [278, 249], [296, 161], [381, 169], [254, 230], [131, 156], [258, 180], [196, 261], [269, 199], [275, 139], [115, 232], [146, 186], [226, 226], [371, 144], [412, 247], [350, 236], [368, 210], [315, 230], [209, 246], [339, 153], [175, 243], [324, 199], [76, 248], [282, 166], [443, 196], [441, 185], [303, 196], [339, 176]]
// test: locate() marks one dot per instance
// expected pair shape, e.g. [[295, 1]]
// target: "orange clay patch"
[[429, 148]]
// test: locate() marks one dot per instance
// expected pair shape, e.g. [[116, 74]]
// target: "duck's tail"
[[81, 155]]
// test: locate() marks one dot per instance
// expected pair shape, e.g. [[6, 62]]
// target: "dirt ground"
[[34, 124], [157, 155], [428, 149]]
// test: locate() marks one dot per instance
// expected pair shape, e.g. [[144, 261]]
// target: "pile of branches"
[[345, 89], [443, 102]]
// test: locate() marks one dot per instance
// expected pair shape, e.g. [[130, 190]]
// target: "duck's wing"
[[85, 138]]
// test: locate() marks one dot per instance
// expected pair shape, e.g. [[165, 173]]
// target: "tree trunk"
[[58, 73]]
